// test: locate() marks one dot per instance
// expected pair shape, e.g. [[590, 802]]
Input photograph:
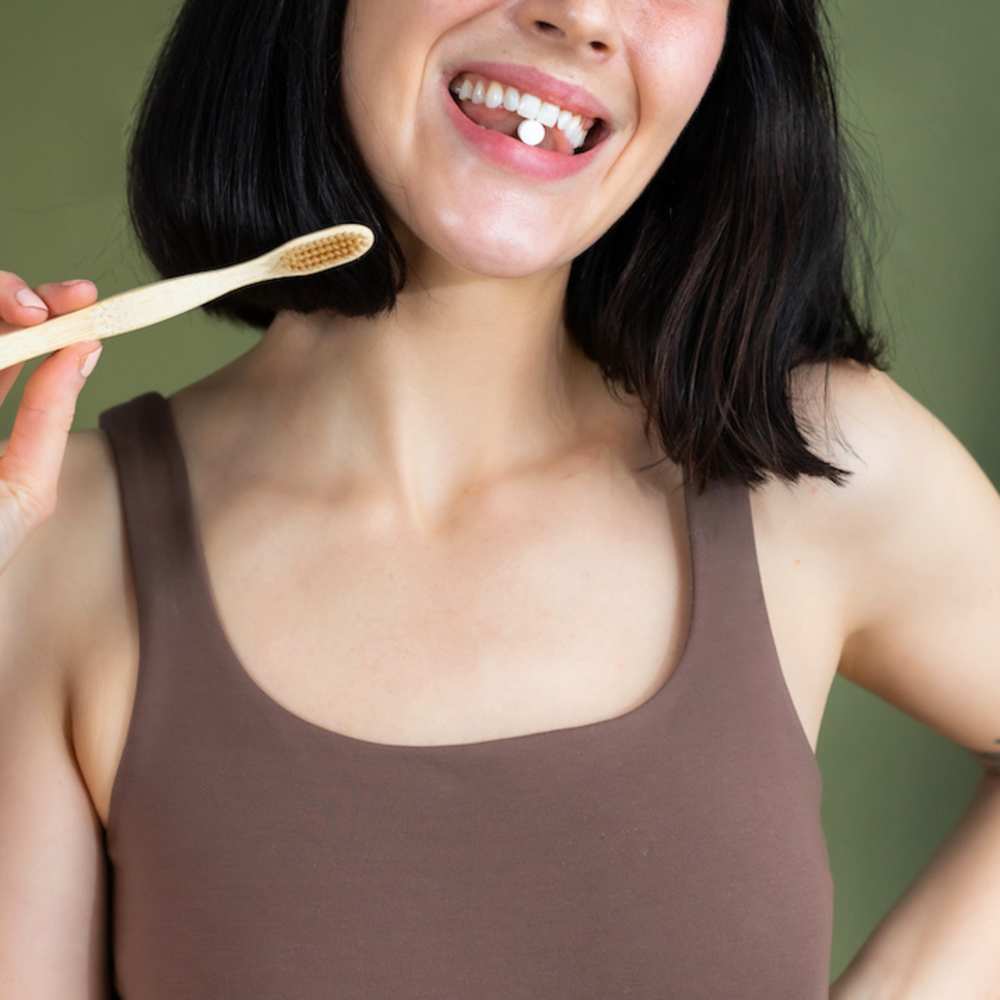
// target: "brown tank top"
[[672, 852]]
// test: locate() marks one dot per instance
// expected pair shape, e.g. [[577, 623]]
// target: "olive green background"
[[919, 87]]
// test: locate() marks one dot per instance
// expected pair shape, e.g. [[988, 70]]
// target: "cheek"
[[387, 48], [679, 64], [373, 63], [387, 43]]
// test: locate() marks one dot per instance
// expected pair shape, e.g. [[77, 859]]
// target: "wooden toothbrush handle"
[[126, 311]]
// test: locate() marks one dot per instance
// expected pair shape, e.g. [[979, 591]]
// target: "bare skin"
[[461, 543], [374, 554], [989, 760], [429, 633]]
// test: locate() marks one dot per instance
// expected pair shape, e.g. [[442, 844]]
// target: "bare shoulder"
[[901, 463], [901, 562], [882, 576]]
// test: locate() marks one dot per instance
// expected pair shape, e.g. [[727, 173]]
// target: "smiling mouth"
[[536, 122]]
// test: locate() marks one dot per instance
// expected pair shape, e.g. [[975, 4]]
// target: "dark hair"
[[730, 270]]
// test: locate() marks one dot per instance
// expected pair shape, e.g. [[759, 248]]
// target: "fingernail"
[[89, 362], [30, 300], [74, 283]]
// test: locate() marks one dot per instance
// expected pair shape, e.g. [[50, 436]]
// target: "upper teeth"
[[528, 106]]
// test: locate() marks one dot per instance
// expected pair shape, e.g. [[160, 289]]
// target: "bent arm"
[[940, 940], [925, 636], [53, 938]]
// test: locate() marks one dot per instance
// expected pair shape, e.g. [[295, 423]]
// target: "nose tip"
[[581, 24], [553, 30]]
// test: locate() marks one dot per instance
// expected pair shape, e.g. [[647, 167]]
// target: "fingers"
[[29, 468], [20, 305]]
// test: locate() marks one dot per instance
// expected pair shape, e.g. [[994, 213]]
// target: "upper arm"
[[53, 882], [921, 551], [52, 877]]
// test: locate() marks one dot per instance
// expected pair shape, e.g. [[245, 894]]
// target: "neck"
[[469, 379]]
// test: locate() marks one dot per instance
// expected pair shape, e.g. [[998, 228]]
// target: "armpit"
[[988, 759]]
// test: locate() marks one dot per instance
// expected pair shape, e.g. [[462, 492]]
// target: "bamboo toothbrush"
[[163, 300]]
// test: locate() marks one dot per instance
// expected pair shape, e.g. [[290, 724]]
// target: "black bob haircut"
[[728, 272]]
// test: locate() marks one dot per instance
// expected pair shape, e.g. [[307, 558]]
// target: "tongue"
[[506, 122]]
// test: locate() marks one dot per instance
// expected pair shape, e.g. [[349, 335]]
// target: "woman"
[[424, 651]]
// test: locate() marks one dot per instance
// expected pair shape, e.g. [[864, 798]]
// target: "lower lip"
[[530, 161]]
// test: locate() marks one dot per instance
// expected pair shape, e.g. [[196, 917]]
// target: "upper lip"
[[528, 79]]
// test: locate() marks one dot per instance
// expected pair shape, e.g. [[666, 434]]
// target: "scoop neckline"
[[292, 719]]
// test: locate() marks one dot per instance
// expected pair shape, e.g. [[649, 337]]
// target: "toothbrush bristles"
[[325, 252]]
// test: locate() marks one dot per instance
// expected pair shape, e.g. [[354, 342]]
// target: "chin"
[[505, 262], [506, 247]]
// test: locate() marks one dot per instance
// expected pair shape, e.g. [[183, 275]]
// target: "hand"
[[29, 468]]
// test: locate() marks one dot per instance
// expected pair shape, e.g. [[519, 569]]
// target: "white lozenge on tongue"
[[531, 132]]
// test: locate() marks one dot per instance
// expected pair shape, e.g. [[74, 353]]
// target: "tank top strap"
[[728, 609], [159, 516]]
